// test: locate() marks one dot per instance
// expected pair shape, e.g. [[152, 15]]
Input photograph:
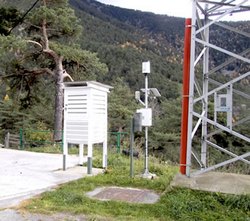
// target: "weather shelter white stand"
[[85, 118]]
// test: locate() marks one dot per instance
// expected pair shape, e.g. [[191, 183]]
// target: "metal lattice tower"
[[218, 98]]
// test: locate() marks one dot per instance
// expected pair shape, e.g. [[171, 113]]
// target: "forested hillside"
[[115, 41]]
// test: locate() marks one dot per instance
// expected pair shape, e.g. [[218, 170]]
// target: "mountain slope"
[[124, 38]]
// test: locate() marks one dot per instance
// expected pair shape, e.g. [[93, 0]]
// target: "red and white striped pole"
[[185, 96]]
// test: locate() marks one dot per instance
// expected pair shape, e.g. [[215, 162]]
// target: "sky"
[[177, 8]]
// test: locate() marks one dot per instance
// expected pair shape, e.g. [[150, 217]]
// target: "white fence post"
[[7, 140]]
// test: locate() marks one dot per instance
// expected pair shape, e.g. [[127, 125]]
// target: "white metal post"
[[146, 71], [146, 171], [230, 105], [81, 152], [105, 142], [191, 89], [205, 100], [146, 128], [146, 91], [215, 108]]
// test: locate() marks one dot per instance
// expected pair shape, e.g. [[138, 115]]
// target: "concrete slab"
[[131, 195], [215, 182], [24, 174], [14, 215]]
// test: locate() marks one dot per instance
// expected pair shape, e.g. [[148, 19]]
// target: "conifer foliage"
[[45, 44]]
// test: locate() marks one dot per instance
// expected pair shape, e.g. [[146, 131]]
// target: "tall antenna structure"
[[216, 95]]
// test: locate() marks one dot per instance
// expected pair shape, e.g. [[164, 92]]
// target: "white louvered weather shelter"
[[85, 118]]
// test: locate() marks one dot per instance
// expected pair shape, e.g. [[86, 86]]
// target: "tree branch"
[[65, 74], [51, 53], [46, 41], [34, 71], [40, 71], [45, 35], [36, 43]]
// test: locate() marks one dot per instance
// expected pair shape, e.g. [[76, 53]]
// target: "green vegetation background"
[[116, 41]]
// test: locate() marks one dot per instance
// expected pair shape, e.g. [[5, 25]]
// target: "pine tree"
[[45, 45]]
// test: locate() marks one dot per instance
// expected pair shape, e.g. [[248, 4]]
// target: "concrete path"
[[14, 215], [215, 182], [25, 174]]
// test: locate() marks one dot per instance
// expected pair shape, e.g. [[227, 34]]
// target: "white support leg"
[[90, 155], [81, 152], [65, 154], [105, 155]]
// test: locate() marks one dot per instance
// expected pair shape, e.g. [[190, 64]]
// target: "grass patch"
[[174, 204]]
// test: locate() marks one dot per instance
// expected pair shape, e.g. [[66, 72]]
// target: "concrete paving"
[[215, 182], [18, 215], [25, 174]]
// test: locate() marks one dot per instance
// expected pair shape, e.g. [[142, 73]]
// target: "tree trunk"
[[58, 115]]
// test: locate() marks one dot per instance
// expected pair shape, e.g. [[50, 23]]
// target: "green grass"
[[174, 204]]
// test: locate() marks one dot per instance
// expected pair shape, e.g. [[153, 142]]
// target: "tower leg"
[[185, 98]]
